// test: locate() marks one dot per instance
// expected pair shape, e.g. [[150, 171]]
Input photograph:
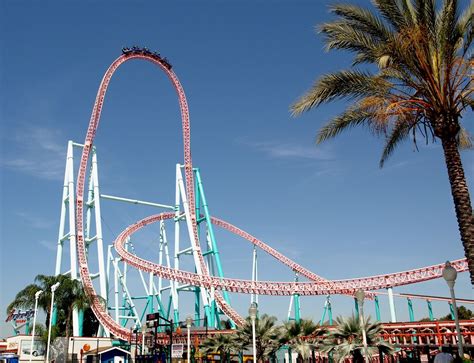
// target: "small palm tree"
[[419, 87], [346, 340], [301, 336], [267, 336], [224, 344]]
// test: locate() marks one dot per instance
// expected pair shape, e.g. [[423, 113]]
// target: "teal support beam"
[[54, 317], [377, 308], [27, 327], [321, 322], [411, 313], [430, 310], [204, 208], [356, 305], [451, 310], [297, 308], [81, 322], [330, 312]]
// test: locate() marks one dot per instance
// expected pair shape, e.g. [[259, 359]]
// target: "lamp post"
[[37, 294], [360, 295], [450, 274], [189, 322], [53, 289], [253, 315]]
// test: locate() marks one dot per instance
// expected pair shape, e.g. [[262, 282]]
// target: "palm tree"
[[345, 340], [419, 88], [301, 336], [224, 344], [69, 296], [267, 336]]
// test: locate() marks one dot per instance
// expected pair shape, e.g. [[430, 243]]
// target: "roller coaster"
[[191, 209]]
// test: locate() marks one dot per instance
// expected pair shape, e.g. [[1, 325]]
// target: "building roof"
[[102, 350]]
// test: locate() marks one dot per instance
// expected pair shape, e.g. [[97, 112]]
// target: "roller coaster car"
[[136, 49], [166, 63], [146, 51], [126, 50]]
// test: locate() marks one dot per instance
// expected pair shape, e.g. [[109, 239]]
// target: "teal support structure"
[[54, 317], [327, 310], [81, 322], [356, 305], [27, 327], [297, 304], [411, 313], [451, 310], [430, 310], [377, 308], [202, 207]]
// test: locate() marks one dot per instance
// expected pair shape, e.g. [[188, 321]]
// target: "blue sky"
[[242, 64]]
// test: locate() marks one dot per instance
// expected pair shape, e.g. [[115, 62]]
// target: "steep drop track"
[[318, 286]]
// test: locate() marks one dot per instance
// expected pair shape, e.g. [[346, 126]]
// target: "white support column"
[[177, 229], [393, 317], [194, 243], [116, 291], [290, 307], [72, 230], [62, 220], [254, 297], [98, 229], [168, 264]]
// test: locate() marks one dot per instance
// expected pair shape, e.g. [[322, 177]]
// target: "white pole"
[[253, 312], [38, 293], [360, 295], [254, 343], [53, 289], [391, 303], [189, 322]]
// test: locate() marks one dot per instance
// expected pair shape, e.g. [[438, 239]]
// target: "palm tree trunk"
[[462, 201]]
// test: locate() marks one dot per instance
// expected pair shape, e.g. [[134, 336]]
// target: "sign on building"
[[177, 351]]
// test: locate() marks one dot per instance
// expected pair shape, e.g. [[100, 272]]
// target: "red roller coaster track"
[[318, 286]]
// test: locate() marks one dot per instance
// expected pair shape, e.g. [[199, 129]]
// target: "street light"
[[37, 294], [253, 315], [450, 274], [53, 289], [189, 322], [360, 296]]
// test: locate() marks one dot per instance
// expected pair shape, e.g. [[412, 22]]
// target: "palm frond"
[[464, 139], [392, 13], [344, 84], [399, 133]]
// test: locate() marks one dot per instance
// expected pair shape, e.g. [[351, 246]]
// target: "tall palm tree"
[[345, 340], [267, 336], [69, 296], [301, 336], [420, 87], [224, 344]]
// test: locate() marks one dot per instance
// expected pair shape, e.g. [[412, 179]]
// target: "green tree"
[[346, 339], [224, 344], [419, 88], [267, 336], [301, 336], [69, 296], [463, 314]]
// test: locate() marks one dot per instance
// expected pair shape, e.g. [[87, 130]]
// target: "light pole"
[[253, 315], [450, 274], [189, 322], [360, 295], [37, 294], [53, 289]]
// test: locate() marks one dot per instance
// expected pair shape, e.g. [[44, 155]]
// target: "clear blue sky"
[[242, 64]]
